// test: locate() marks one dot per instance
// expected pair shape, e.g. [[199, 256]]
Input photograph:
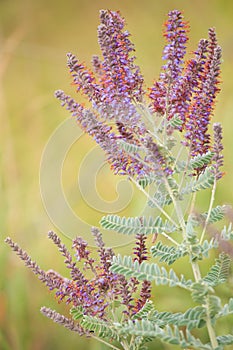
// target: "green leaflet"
[[135, 225], [199, 161], [175, 121], [227, 309], [102, 329], [161, 199], [168, 254], [150, 272], [214, 305], [219, 271], [204, 181], [225, 339], [192, 318], [145, 181], [216, 214], [207, 246], [227, 233], [168, 334], [145, 310], [76, 312], [162, 196], [129, 147], [200, 291]]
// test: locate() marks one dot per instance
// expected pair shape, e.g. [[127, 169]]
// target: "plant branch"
[[154, 202], [209, 211], [104, 342]]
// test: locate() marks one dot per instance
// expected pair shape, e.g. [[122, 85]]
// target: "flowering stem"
[[209, 211]]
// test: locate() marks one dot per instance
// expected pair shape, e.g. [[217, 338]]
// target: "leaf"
[[227, 309], [204, 181], [145, 181], [168, 254], [175, 121], [145, 310], [129, 147], [216, 214], [201, 160], [150, 272], [214, 305], [227, 233], [225, 339], [191, 233], [192, 318], [196, 343], [161, 199], [219, 271], [147, 328], [76, 312], [135, 225], [162, 196], [200, 292], [207, 246], [101, 328], [171, 335]]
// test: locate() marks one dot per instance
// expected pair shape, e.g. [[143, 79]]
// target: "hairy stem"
[[177, 207], [196, 271], [209, 211], [210, 328], [104, 342], [193, 203]]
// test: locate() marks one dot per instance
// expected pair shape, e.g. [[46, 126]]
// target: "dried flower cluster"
[[97, 293]]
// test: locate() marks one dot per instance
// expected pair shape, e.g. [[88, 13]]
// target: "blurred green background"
[[35, 36]]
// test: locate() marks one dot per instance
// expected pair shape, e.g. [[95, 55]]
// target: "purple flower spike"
[[174, 52], [122, 77], [203, 100], [217, 149], [165, 92]]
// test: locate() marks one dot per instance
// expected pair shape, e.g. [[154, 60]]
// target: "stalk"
[[210, 328], [209, 211], [104, 342]]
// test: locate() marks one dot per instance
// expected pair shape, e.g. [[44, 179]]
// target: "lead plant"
[[160, 140]]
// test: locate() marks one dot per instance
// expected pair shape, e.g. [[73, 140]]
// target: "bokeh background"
[[34, 38]]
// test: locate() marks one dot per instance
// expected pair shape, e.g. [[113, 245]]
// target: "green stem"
[[212, 335], [211, 331], [209, 211], [177, 207], [193, 203], [196, 271], [170, 239], [132, 341], [104, 342], [186, 168], [125, 345]]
